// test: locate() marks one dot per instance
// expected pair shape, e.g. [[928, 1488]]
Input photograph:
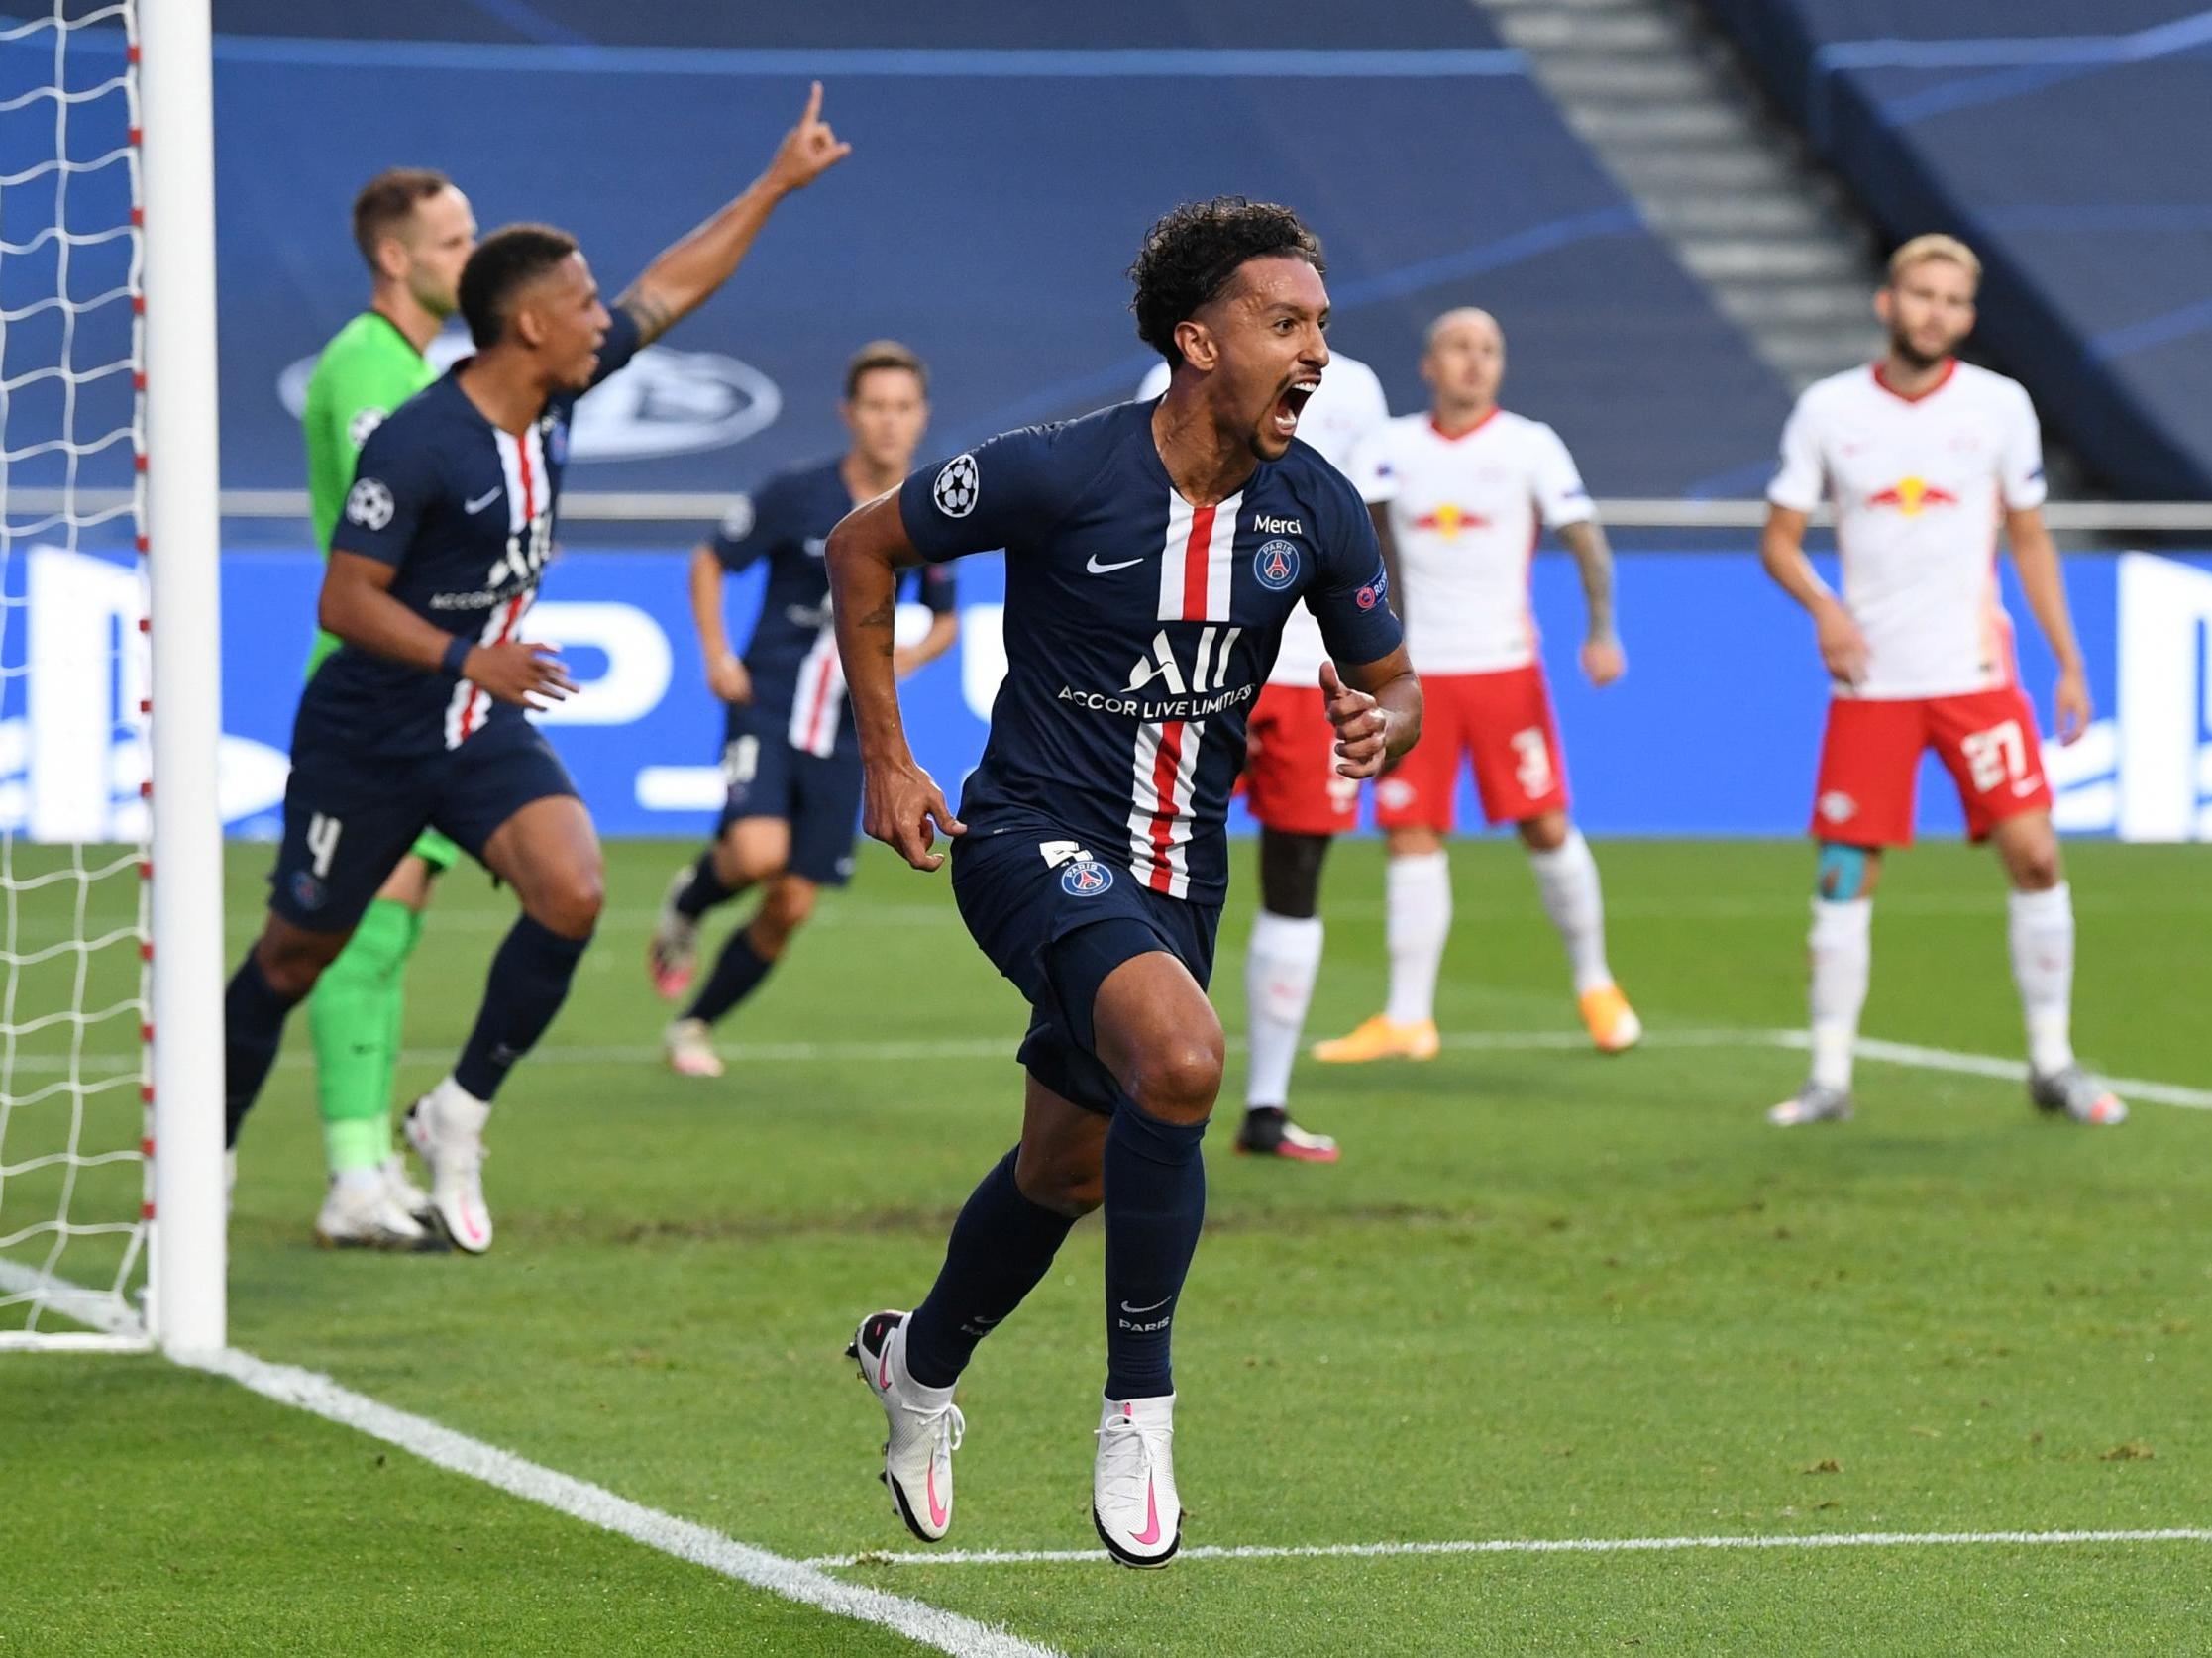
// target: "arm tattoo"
[[883, 621], [653, 316]]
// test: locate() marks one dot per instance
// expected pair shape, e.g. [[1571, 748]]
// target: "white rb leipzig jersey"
[[1465, 512], [1348, 406], [1920, 486]]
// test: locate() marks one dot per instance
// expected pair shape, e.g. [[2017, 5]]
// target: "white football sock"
[[1567, 877], [1419, 891], [1279, 966], [1843, 951], [2043, 966], [453, 1110]]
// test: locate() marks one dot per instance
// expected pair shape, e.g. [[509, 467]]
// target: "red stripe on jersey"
[[1165, 764], [507, 626], [1195, 552], [821, 701], [529, 493]]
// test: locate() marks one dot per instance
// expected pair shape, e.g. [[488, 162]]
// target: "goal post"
[[113, 1199], [182, 544]]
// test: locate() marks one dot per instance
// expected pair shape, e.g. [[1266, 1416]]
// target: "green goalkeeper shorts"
[[436, 851]]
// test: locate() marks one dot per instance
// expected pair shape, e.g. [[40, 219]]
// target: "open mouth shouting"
[[1290, 404]]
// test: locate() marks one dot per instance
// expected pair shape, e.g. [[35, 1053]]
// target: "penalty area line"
[[1528, 1545]]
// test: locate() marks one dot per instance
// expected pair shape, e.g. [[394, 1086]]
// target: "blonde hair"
[[1935, 245]]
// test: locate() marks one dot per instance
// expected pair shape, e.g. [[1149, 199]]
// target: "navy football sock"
[[1155, 1203], [1002, 1246], [737, 974], [253, 1026], [704, 889], [529, 982]]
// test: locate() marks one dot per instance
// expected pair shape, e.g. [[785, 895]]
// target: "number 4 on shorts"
[[322, 841]]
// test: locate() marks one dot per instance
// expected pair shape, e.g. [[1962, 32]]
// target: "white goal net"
[[76, 1130]]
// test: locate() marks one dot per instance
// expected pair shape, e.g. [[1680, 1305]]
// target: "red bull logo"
[[1912, 496], [1450, 520]]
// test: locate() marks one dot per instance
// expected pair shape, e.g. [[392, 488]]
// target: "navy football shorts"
[[349, 819], [817, 795], [1058, 924]]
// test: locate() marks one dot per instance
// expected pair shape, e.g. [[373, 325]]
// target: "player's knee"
[[569, 904], [782, 914], [293, 961], [1845, 873], [1180, 1078], [1545, 832], [1063, 1186], [2036, 868]]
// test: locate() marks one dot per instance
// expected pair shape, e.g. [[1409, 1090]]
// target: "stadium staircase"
[[1657, 94]]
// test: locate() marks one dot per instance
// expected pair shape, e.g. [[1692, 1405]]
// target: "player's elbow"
[[334, 609]]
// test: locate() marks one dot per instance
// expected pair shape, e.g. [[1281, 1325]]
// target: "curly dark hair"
[[1191, 254]]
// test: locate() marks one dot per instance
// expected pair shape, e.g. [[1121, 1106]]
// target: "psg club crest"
[[556, 441], [1276, 565], [956, 487], [1085, 878]]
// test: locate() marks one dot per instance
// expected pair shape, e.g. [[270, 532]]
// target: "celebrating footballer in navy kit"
[[418, 721], [1154, 551], [790, 753]]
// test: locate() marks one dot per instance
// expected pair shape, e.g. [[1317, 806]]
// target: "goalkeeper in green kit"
[[416, 231]]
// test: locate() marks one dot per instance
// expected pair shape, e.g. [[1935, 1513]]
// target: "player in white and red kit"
[[1292, 785], [1926, 459], [1466, 489]]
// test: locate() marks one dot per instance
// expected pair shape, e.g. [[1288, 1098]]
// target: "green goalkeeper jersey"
[[368, 369]]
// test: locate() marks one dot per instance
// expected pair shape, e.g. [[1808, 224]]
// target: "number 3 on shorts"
[[1533, 773], [1995, 756]]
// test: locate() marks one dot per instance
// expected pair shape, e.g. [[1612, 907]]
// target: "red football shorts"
[[1870, 756], [1290, 777], [1502, 722]]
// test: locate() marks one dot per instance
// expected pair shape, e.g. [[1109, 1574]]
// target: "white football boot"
[[924, 1426], [361, 1213], [672, 953], [1814, 1102], [690, 1046], [1132, 1485], [446, 1128], [2074, 1093], [404, 1191]]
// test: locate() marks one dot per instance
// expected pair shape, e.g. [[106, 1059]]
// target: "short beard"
[[1903, 348]]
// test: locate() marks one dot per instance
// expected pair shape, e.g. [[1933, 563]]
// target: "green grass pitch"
[[1545, 1295]]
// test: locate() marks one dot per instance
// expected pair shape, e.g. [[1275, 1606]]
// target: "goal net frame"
[[166, 75]]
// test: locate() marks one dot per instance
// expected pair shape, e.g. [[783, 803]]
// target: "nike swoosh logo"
[[1154, 1308], [1096, 569], [883, 1375], [471, 508], [1151, 1532], [938, 1513], [2026, 785]]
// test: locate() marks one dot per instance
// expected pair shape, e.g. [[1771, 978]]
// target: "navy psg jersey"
[[464, 513], [792, 655], [1139, 629]]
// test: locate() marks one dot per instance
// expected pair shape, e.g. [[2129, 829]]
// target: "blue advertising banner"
[[1715, 731]]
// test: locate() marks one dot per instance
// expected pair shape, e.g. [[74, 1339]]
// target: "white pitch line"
[[793, 1579], [1990, 1064], [1475, 1041], [1525, 1545]]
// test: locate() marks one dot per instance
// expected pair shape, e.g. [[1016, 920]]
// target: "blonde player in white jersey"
[[1292, 786], [1460, 492], [1926, 458]]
